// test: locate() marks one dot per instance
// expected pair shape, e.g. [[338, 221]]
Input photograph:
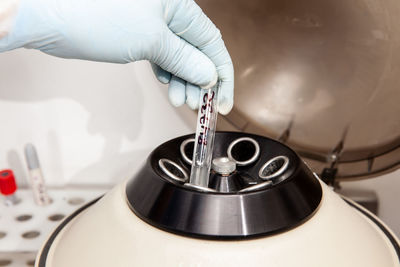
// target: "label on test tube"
[[204, 140], [38, 187]]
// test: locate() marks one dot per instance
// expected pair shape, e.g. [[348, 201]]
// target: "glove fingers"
[[186, 19], [162, 75], [192, 95], [185, 61], [226, 92], [176, 91]]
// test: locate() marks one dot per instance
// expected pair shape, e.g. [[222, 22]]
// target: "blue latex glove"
[[184, 46]]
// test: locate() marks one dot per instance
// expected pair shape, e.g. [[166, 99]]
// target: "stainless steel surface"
[[162, 164], [182, 149], [308, 70], [223, 165], [273, 168], [256, 187], [252, 159], [199, 188]]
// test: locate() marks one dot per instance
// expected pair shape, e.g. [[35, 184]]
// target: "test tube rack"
[[24, 227]]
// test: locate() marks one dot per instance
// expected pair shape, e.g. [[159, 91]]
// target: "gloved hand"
[[184, 46]]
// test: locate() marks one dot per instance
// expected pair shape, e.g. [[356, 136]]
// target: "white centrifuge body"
[[108, 233]]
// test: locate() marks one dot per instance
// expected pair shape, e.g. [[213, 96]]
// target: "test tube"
[[204, 140], [35, 173]]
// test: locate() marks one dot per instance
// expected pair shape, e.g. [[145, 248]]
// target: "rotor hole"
[[274, 167], [173, 170], [186, 149], [244, 151]]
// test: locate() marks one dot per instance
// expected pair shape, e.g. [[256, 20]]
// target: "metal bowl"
[[321, 76]]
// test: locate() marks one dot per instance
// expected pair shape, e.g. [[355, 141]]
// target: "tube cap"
[[223, 165], [7, 182]]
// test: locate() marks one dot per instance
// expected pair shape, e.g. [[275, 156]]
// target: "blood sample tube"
[[8, 187]]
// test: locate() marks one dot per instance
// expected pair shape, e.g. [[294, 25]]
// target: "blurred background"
[[321, 77], [93, 124]]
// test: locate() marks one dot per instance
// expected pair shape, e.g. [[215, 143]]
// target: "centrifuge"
[[319, 76], [263, 207]]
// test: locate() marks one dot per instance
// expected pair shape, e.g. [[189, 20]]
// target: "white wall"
[[92, 123]]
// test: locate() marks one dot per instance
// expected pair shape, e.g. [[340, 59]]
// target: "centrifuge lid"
[[322, 76]]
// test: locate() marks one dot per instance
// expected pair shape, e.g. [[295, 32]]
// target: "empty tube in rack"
[[36, 177]]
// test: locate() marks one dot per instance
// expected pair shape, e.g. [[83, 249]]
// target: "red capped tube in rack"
[[8, 187]]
